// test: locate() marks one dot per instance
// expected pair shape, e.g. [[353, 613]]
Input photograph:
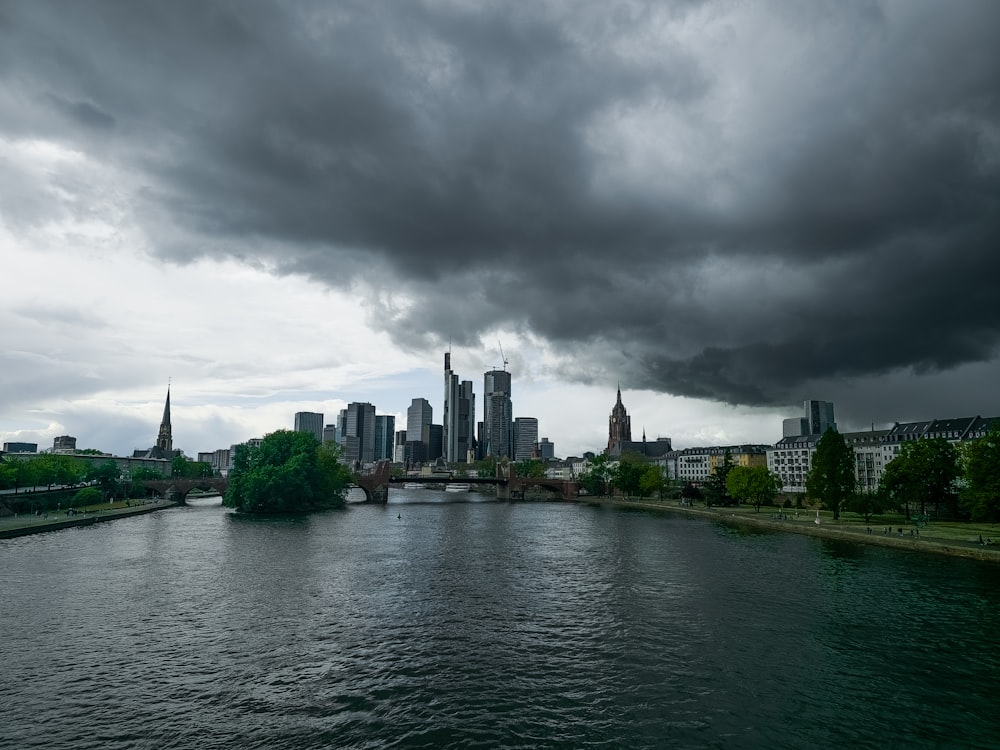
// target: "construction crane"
[[501, 355]]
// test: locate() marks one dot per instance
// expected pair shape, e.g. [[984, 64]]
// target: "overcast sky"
[[726, 206]]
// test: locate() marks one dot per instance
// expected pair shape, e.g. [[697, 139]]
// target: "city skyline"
[[728, 208]]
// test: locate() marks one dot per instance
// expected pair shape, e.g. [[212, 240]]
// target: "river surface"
[[451, 621]]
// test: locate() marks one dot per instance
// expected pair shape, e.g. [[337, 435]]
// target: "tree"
[[715, 487], [752, 484], [627, 474], [531, 468], [924, 469], [868, 504], [183, 467], [86, 496], [653, 481], [831, 478], [981, 464], [595, 479], [691, 493], [288, 472], [106, 475]]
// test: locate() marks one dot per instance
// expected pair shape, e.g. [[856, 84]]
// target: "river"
[[451, 621]]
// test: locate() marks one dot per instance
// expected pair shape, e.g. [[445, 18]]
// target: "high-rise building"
[[794, 427], [399, 455], [546, 450], [459, 423], [385, 426], [311, 422], [20, 447], [359, 431], [820, 416], [525, 438], [331, 434], [497, 415], [418, 428], [435, 445]]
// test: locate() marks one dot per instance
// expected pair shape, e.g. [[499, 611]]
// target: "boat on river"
[[457, 487], [412, 486]]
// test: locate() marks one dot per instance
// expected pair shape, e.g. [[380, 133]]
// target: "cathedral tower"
[[619, 426]]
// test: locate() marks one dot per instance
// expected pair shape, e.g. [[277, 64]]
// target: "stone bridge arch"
[[177, 490]]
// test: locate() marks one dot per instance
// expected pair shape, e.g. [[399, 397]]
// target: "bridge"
[[177, 489], [509, 486]]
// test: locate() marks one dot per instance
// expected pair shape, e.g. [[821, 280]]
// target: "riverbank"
[[930, 540], [23, 524]]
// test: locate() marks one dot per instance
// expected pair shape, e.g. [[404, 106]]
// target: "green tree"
[[715, 487], [182, 467], [288, 472], [752, 484], [691, 493], [868, 504], [653, 481], [595, 479], [627, 474], [531, 468], [107, 476], [924, 469], [85, 497], [831, 479], [981, 464]]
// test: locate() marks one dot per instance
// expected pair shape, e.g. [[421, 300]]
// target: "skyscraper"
[[459, 415], [358, 436], [385, 426], [525, 438], [497, 418], [418, 428], [311, 422], [819, 415]]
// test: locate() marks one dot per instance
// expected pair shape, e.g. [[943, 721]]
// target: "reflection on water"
[[433, 622]]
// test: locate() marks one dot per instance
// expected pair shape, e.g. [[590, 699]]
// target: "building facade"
[[385, 428], [418, 430], [459, 416], [498, 422], [525, 438], [311, 422], [358, 437]]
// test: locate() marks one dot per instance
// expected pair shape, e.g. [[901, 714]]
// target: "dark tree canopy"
[[831, 479], [288, 472], [981, 462], [715, 487], [752, 484], [925, 469]]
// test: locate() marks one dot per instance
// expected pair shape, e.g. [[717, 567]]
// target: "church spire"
[[164, 439]]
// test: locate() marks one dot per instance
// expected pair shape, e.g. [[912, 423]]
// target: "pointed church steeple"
[[164, 439]]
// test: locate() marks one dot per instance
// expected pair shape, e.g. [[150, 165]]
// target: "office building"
[[525, 438], [311, 422], [459, 425], [385, 427], [331, 434], [819, 415], [20, 447], [498, 422], [546, 449], [358, 437], [418, 429]]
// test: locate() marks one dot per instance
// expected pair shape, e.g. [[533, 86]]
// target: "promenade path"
[[24, 523], [944, 538]]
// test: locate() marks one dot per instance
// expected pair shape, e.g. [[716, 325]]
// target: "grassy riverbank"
[[25, 523], [953, 538]]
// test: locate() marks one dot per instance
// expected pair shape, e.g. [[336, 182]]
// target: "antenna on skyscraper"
[[501, 355]]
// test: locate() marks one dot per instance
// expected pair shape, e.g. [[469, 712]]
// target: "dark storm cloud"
[[733, 202]]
